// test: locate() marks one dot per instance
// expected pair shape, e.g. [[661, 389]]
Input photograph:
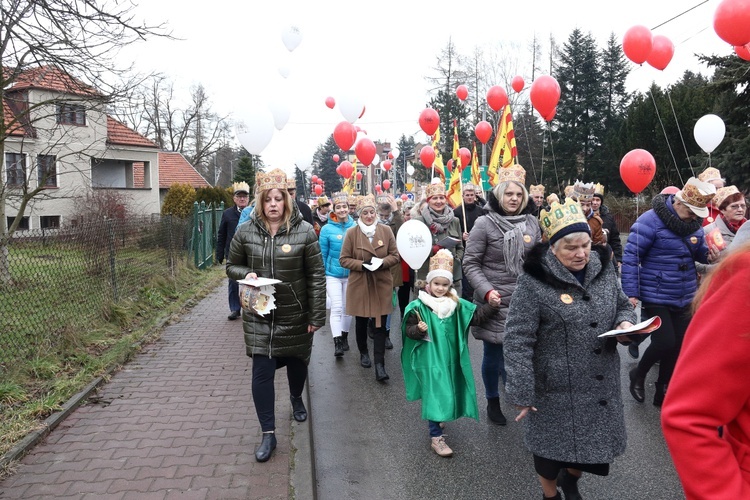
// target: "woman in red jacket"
[[706, 414]]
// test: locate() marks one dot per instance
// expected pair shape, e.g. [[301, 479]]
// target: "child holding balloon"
[[435, 355]]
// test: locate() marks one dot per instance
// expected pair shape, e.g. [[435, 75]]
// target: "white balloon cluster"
[[709, 131]]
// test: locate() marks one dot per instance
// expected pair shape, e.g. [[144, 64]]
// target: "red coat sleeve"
[[711, 388]]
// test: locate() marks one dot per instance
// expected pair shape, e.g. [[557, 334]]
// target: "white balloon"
[[395, 152], [255, 129], [292, 36], [284, 71], [709, 132], [351, 106], [410, 169], [375, 160], [280, 111], [414, 242]]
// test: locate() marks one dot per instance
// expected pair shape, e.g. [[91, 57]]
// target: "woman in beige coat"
[[369, 251]]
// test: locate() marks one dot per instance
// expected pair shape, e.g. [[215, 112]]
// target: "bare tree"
[[78, 40]]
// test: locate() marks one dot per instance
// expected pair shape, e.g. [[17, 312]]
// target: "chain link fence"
[[54, 282]]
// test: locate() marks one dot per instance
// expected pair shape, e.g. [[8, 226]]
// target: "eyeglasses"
[[737, 206], [238, 195]]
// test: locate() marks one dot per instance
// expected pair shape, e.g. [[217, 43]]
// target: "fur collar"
[[662, 205], [536, 267]]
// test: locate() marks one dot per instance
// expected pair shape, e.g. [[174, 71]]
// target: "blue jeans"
[[234, 295], [388, 323], [435, 430], [493, 369]]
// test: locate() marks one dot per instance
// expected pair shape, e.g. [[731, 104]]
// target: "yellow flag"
[[476, 174], [504, 149], [438, 163]]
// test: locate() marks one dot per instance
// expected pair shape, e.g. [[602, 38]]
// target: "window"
[[71, 114], [46, 167], [49, 221], [15, 169], [24, 225]]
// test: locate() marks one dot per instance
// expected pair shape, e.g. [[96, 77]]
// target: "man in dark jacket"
[[304, 208], [609, 226], [473, 211], [227, 227]]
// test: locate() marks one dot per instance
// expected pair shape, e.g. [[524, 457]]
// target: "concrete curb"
[[302, 473]]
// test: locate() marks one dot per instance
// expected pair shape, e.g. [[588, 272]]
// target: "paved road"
[[369, 442]]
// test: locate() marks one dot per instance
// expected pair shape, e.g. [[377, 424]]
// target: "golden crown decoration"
[[709, 174], [240, 187], [568, 191], [599, 189], [383, 199], [275, 179], [561, 216], [724, 193], [552, 198], [339, 197], [515, 173], [365, 201], [442, 261], [435, 188], [583, 190], [536, 189], [697, 195]]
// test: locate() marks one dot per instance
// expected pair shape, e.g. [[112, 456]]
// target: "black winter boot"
[[494, 413], [345, 340], [380, 374], [338, 347], [298, 409], [388, 343], [556, 497], [660, 392], [569, 485]]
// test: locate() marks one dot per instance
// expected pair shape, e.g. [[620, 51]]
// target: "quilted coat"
[[658, 265], [557, 364], [292, 256], [331, 240]]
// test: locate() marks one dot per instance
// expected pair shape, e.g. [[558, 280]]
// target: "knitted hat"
[[562, 220], [441, 266], [696, 195]]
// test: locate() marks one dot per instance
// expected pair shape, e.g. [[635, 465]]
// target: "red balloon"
[[465, 156], [637, 169], [344, 135], [662, 50], [483, 131], [732, 22], [314, 178], [346, 169], [378, 189], [549, 116], [544, 95], [743, 51], [330, 102], [359, 176], [429, 121], [336, 158], [497, 98], [427, 156], [318, 189], [449, 164], [517, 83], [365, 150], [404, 196], [386, 184], [637, 43], [386, 166], [390, 155], [462, 92], [338, 170], [670, 190]]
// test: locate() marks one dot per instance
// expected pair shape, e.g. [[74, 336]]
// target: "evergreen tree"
[[246, 169], [324, 166], [407, 147]]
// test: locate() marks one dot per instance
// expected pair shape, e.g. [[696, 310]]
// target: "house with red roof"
[[58, 137], [175, 169]]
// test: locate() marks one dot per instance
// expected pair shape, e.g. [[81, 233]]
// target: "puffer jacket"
[[331, 239], [292, 256], [485, 267], [658, 265]]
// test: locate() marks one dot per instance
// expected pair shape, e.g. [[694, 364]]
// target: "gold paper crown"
[[365, 201], [599, 189], [568, 191], [536, 189], [434, 189], [275, 179], [240, 187], [561, 216], [552, 198], [339, 197], [515, 173], [353, 199], [724, 193], [442, 261], [383, 199], [709, 174], [697, 195], [583, 191]]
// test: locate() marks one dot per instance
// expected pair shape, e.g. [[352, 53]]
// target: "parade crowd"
[[547, 287]]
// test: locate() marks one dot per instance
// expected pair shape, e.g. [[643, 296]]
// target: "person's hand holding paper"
[[374, 264]]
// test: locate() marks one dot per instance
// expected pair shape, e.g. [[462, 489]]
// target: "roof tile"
[[174, 168], [118, 133]]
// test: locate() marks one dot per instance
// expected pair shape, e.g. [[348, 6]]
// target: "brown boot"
[[440, 447]]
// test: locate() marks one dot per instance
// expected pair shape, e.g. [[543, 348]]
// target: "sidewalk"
[[176, 422]]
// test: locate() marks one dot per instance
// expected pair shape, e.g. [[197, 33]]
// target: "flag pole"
[[463, 205]]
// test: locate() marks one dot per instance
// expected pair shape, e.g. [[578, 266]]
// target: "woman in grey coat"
[[563, 378], [498, 244]]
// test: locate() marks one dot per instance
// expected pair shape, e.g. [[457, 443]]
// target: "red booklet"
[[715, 240], [641, 328]]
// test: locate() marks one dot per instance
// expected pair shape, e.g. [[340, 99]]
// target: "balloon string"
[[554, 162], [709, 160], [540, 180], [637, 241], [664, 131], [684, 146]]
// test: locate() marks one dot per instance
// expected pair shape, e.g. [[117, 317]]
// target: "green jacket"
[[293, 257], [439, 371]]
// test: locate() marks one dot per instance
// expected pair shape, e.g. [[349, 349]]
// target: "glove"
[[436, 249]]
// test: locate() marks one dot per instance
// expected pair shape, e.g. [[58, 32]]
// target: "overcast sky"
[[382, 52]]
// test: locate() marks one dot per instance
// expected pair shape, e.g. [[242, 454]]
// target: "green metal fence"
[[205, 227]]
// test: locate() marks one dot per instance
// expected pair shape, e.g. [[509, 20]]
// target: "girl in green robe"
[[435, 355]]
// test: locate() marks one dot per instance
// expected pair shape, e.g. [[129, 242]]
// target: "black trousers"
[[264, 394], [378, 341], [666, 342]]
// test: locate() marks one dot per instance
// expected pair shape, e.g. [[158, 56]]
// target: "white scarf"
[[442, 306], [368, 230]]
